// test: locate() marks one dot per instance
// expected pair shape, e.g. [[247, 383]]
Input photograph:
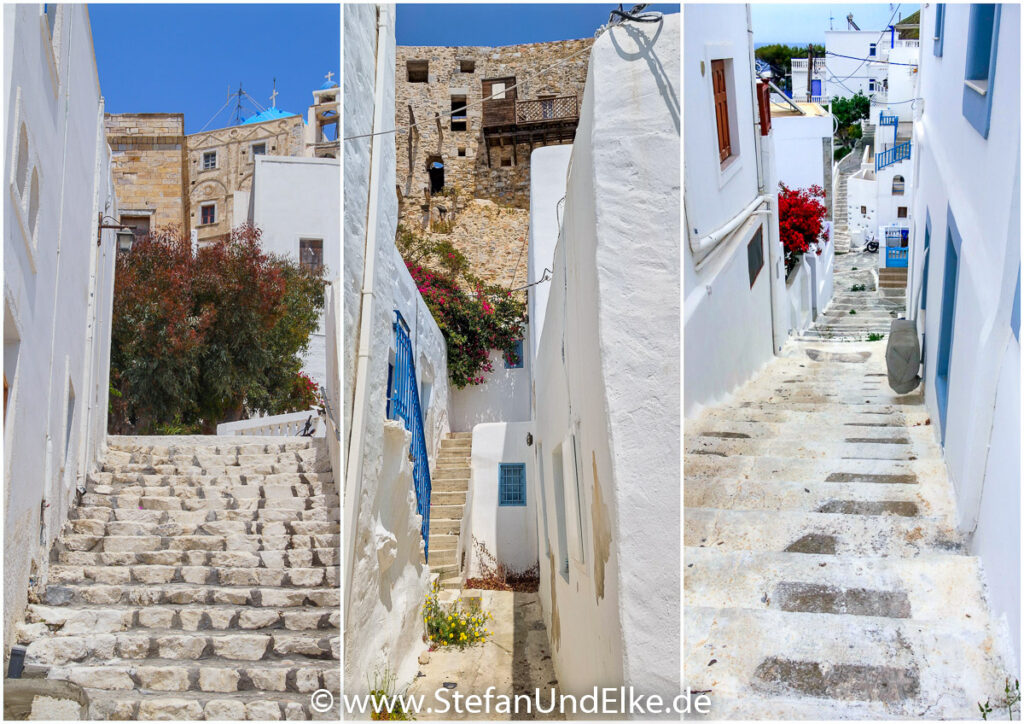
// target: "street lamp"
[[125, 234]]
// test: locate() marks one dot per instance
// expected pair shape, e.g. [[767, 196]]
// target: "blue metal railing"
[[890, 120], [405, 405], [892, 155], [896, 256]]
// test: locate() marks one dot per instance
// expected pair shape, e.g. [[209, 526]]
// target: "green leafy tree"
[[847, 112], [208, 337], [779, 57]]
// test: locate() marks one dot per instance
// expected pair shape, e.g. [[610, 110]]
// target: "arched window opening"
[[898, 185]]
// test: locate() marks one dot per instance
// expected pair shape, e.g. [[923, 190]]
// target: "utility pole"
[[810, 70]]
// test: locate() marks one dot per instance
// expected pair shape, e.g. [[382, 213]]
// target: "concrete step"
[[445, 512], [253, 705], [176, 646], [845, 533], [187, 594], [239, 542], [87, 526], [198, 575], [72, 621], [448, 497], [256, 516], [224, 502], [930, 587], [299, 558], [907, 666]]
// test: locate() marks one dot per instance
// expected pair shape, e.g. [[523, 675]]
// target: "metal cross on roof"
[[273, 96], [329, 76]]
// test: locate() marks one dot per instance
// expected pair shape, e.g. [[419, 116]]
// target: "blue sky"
[[806, 23], [501, 24], [156, 58]]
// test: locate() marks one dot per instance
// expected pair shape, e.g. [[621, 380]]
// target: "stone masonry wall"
[[463, 152], [149, 165], [234, 169]]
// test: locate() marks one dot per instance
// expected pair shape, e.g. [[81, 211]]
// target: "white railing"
[[797, 64], [290, 424]]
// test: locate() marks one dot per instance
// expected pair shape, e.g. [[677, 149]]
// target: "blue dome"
[[271, 114], [328, 84]]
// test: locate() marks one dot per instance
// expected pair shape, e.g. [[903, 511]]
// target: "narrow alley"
[[824, 576]]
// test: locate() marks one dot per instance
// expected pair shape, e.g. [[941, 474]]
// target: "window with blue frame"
[[924, 270], [512, 484], [873, 50], [515, 360], [947, 319], [980, 66], [940, 19], [1015, 312]]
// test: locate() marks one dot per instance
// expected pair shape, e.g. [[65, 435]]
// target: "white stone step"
[[851, 534], [904, 665], [930, 587]]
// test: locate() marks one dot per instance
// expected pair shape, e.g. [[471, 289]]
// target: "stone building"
[[150, 170], [221, 164], [464, 171], [481, 147], [201, 181]]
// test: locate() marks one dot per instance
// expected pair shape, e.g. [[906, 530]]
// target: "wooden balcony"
[[540, 122]]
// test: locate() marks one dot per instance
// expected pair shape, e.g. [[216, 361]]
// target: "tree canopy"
[[779, 55], [207, 337]]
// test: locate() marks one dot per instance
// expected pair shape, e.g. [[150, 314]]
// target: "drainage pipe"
[[360, 404], [706, 243]]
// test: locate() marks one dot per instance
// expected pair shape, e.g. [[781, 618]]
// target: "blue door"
[[947, 319], [816, 87]]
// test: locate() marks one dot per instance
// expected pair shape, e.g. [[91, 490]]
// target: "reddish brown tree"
[[207, 337]]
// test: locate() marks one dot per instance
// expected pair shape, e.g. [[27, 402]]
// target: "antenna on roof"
[[238, 106]]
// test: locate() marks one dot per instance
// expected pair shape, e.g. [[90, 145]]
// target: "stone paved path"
[[824, 575], [198, 578], [515, 660]]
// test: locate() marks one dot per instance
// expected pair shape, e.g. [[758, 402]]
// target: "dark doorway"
[[435, 169]]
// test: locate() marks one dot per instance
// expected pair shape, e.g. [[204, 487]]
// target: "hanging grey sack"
[[903, 356]]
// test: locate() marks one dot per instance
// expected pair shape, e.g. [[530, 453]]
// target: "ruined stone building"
[[464, 169], [201, 182]]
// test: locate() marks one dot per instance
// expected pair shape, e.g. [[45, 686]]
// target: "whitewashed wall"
[[504, 396], [293, 199], [385, 575], [612, 308], [727, 321], [509, 533], [854, 74], [978, 181], [58, 284], [799, 160]]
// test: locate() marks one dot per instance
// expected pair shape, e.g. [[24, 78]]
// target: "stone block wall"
[[149, 165]]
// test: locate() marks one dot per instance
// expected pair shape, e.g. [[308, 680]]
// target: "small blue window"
[[873, 50], [511, 483], [940, 18], [515, 360], [980, 68]]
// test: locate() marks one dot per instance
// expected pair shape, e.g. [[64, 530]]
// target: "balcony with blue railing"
[[890, 120], [900, 152]]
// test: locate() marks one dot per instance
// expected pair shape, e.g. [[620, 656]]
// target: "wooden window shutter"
[[721, 108]]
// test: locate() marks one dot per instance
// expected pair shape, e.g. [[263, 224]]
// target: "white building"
[[861, 61], [733, 268], [878, 195], [384, 570], [606, 440], [294, 201], [58, 282], [965, 269]]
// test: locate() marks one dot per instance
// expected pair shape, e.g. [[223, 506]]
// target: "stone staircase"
[[855, 315], [824, 574], [848, 166], [449, 485], [197, 578]]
